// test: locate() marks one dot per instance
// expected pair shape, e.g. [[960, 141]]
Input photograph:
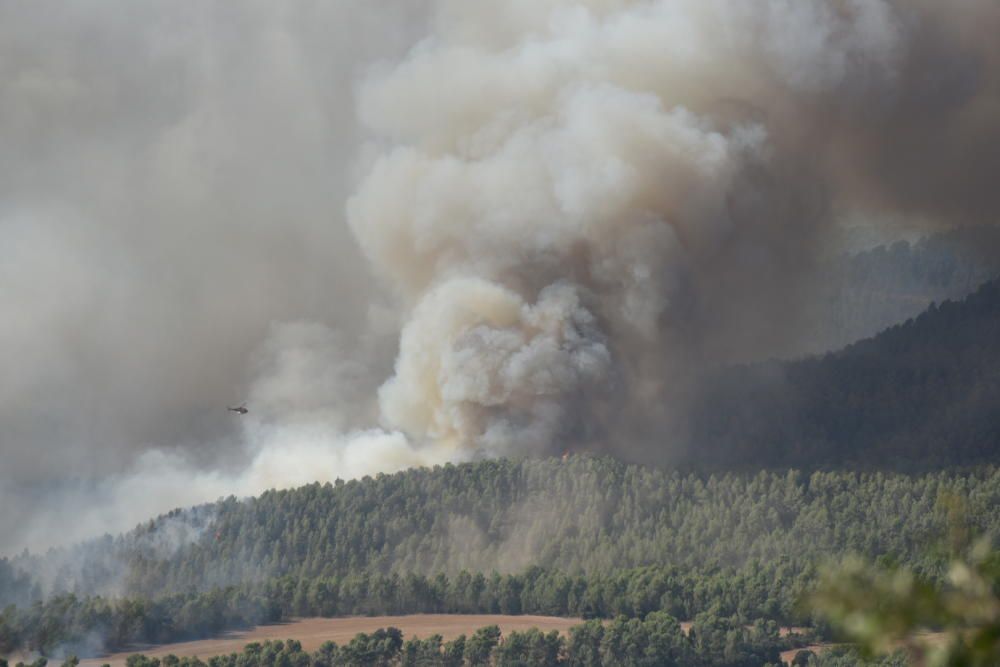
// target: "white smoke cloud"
[[479, 365], [310, 402], [160, 480]]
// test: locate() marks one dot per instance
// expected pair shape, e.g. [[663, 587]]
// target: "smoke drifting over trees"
[[568, 208]]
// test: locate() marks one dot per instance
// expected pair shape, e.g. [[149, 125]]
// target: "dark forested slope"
[[921, 394]]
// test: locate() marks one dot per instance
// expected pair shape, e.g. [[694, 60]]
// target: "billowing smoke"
[[571, 208], [581, 203]]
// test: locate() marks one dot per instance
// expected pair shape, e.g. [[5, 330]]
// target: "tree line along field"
[[427, 637], [312, 633], [657, 640]]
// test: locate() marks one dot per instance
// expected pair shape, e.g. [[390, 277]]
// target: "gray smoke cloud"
[[569, 209], [172, 180]]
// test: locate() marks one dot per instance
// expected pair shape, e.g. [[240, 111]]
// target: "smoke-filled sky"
[[407, 232]]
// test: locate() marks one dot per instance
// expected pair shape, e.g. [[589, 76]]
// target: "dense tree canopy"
[[583, 515]]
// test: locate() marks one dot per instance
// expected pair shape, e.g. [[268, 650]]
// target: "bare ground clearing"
[[312, 632]]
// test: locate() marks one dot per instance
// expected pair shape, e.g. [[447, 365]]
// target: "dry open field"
[[312, 632]]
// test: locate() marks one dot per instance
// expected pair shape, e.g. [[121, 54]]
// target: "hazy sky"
[[172, 184], [557, 211]]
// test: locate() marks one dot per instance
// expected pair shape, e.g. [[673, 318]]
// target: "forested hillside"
[[925, 393], [582, 515], [586, 536]]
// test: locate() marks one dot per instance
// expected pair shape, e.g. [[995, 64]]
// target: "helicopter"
[[242, 409]]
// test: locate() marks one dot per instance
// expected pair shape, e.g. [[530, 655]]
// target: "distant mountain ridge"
[[925, 393], [863, 293]]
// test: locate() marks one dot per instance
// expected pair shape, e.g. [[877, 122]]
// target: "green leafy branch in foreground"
[[956, 623]]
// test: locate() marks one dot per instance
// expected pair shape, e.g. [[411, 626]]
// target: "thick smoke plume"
[[571, 208], [580, 203]]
